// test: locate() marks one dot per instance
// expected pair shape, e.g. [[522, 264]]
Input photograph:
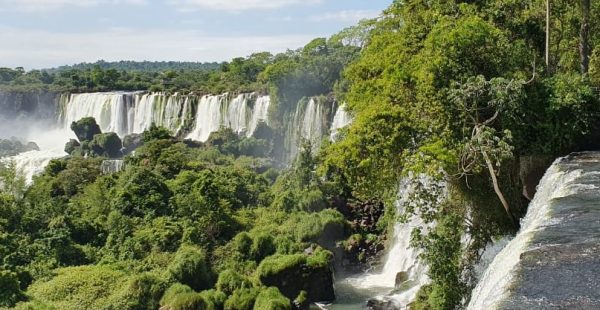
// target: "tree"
[[584, 37], [481, 103]]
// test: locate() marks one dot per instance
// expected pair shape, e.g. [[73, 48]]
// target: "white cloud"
[[347, 16], [43, 49], [45, 5], [236, 5]]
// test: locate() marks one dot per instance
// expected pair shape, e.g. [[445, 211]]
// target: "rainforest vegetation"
[[460, 91]]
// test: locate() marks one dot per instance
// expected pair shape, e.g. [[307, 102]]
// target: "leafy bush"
[[191, 268], [272, 299]]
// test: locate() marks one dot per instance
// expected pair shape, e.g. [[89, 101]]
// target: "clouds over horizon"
[[42, 49], [47, 33]]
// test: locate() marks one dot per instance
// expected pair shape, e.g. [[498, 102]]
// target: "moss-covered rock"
[[107, 144], [85, 129], [295, 273]]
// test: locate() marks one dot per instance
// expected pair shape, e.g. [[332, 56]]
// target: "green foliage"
[[242, 299], [10, 291], [142, 193], [230, 280], [271, 299], [87, 287], [189, 266], [107, 144]]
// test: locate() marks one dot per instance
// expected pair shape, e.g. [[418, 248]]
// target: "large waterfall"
[[242, 114], [127, 113], [550, 263], [185, 115]]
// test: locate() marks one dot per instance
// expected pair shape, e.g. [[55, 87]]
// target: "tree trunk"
[[492, 172], [548, 34], [584, 37]]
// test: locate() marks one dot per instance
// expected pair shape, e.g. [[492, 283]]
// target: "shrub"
[[271, 299], [241, 299], [229, 281], [10, 292], [190, 267]]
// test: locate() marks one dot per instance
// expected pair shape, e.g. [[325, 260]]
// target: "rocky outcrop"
[[293, 274], [85, 129], [12, 147]]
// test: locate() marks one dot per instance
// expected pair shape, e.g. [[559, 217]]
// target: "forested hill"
[[140, 66]]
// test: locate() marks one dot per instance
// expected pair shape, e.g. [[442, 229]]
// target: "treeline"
[[143, 66], [312, 70]]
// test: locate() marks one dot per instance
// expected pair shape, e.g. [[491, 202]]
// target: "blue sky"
[[47, 33]]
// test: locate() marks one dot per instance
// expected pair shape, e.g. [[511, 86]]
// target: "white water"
[[238, 114], [493, 287], [307, 125], [112, 166], [127, 112], [401, 256], [341, 119], [51, 143]]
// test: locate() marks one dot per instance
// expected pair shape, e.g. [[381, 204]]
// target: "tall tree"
[[548, 34], [584, 37]]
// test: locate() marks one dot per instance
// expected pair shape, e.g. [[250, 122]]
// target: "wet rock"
[[401, 277], [381, 304], [13, 147]]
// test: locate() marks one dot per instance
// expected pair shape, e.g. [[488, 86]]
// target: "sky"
[[38, 34]]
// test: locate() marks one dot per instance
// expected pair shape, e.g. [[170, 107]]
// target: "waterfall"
[[341, 119], [557, 183], [401, 257], [128, 112], [112, 166], [307, 124], [242, 114]]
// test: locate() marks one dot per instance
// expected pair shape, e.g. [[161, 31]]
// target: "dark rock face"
[[85, 129], [14, 105], [531, 171], [132, 142], [13, 147], [401, 277]]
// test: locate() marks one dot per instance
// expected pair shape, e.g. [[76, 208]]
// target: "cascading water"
[[548, 263], [128, 112], [341, 119], [401, 258], [241, 114]]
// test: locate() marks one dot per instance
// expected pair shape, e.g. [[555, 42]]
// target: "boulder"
[[72, 146], [381, 304], [401, 277], [132, 142], [107, 144], [85, 129], [13, 147], [293, 274]]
